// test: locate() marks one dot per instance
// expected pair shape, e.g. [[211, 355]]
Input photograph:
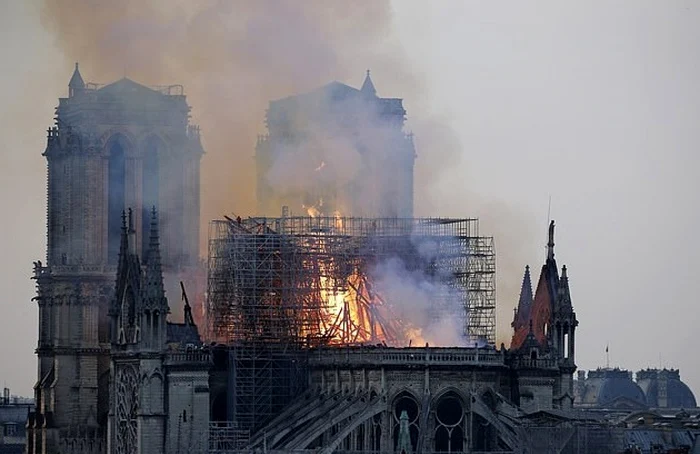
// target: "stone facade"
[[117, 146], [159, 384]]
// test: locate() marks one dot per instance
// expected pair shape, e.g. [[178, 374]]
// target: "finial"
[[76, 66], [131, 221], [531, 326], [563, 272], [550, 243], [154, 228], [367, 71], [124, 221]]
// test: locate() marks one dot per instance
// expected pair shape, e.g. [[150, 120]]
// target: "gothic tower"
[[112, 146], [347, 149], [544, 333]]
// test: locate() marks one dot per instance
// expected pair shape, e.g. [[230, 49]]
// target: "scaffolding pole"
[[307, 281]]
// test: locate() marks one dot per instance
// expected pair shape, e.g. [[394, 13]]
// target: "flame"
[[338, 220], [313, 211], [352, 311]]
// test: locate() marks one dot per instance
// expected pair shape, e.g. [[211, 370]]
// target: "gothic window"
[[115, 194], [406, 404], [449, 424], [127, 395]]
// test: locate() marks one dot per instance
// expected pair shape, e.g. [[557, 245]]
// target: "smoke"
[[234, 56], [413, 295], [423, 292], [344, 154]]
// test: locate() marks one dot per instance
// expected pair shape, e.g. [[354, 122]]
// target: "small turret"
[[564, 294], [153, 288], [522, 314], [368, 87], [76, 84]]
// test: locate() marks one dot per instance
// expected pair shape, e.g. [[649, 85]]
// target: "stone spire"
[[525, 302], [123, 260], [368, 87], [154, 290], [76, 83], [564, 295]]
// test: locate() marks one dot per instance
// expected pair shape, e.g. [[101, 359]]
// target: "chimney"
[[6, 396]]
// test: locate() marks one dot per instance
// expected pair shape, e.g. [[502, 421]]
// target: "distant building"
[[14, 412], [616, 389], [334, 150]]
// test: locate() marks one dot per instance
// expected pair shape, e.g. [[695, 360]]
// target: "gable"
[[126, 88]]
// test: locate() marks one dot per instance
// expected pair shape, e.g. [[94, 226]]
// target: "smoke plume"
[[233, 57]]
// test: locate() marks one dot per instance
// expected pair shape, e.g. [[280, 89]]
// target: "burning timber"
[[314, 281]]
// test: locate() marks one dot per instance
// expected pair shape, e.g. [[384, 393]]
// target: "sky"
[[592, 104]]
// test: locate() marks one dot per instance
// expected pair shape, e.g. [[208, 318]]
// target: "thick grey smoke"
[[234, 56], [343, 158], [412, 296]]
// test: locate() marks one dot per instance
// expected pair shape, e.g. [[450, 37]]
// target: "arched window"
[[115, 195], [449, 424], [406, 403]]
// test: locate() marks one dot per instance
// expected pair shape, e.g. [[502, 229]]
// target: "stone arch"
[[359, 416], [120, 136], [451, 389], [406, 401]]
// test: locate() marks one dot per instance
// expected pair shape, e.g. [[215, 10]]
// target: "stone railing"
[[405, 357], [78, 269], [198, 357], [540, 363]]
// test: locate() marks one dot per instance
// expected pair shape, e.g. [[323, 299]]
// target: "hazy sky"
[[595, 104]]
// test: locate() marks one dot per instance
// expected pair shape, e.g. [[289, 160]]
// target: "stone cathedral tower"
[[112, 147]]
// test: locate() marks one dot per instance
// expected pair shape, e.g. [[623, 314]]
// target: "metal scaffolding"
[[308, 281]]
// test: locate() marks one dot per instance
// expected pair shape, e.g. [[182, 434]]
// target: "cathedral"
[[116, 374]]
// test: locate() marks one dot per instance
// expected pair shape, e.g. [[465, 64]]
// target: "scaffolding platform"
[[308, 281]]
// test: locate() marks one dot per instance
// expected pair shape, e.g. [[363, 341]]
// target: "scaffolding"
[[308, 281]]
